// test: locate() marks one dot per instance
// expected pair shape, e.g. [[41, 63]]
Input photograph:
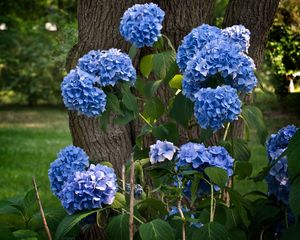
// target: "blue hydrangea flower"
[[195, 41], [190, 154], [79, 94], [160, 151], [69, 160], [277, 178], [214, 107], [90, 62], [138, 190], [141, 24], [90, 189], [238, 34], [107, 67], [277, 143], [174, 211]]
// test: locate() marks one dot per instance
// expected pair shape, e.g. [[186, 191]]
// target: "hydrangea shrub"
[[186, 157]]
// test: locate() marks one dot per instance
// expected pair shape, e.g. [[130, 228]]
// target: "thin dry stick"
[[131, 224], [41, 208]]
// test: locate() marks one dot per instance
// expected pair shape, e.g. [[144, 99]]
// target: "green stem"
[[145, 120], [226, 131], [211, 202]]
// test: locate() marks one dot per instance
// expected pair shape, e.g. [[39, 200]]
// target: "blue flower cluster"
[[208, 53], [199, 157], [141, 24], [213, 107], [174, 211], [80, 88], [69, 160], [277, 178], [78, 186], [160, 151], [138, 190], [80, 94], [89, 189], [108, 67]]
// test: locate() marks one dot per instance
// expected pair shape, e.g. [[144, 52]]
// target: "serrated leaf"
[[146, 65], [211, 231], [194, 189], [26, 234], [153, 109], [182, 110], [253, 118], [128, 99], [217, 175], [118, 227], [167, 131], [113, 103], [127, 117], [69, 222], [176, 81], [294, 196], [293, 155], [132, 51], [162, 61], [119, 202], [151, 87], [156, 230], [243, 169], [155, 204]]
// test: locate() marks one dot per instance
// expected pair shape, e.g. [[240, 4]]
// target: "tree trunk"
[[257, 16], [98, 28]]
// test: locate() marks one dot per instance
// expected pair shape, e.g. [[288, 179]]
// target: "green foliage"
[[217, 176], [118, 227], [156, 230], [211, 231]]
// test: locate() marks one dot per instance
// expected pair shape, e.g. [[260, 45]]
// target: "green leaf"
[[176, 81], [294, 196], [293, 154], [69, 222], [253, 118], [167, 131], [173, 69], [241, 151], [151, 87], [217, 175], [237, 234], [104, 120], [132, 51], [243, 169], [146, 65], [6, 234], [118, 228], [292, 233], [194, 189], [153, 109], [205, 134], [156, 230], [113, 103], [26, 234], [211, 231], [162, 61], [119, 202], [128, 99], [182, 110], [154, 204], [127, 117]]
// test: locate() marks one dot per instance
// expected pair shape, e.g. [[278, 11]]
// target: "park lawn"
[[31, 137]]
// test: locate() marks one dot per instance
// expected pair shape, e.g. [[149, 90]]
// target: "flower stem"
[[226, 131], [212, 203], [145, 120], [182, 218]]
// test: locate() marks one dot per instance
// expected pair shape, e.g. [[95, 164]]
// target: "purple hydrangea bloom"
[[190, 154], [79, 94], [238, 34], [160, 151], [107, 67], [195, 41], [69, 160], [89, 189], [141, 24], [277, 178], [214, 107]]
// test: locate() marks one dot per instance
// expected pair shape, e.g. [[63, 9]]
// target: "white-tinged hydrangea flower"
[[141, 24], [107, 67], [79, 94], [195, 41], [69, 160], [160, 151], [277, 178], [214, 107], [90, 189], [238, 34]]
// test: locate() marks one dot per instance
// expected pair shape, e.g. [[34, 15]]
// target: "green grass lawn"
[[29, 142], [31, 137]]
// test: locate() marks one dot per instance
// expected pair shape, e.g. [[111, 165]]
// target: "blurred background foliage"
[[36, 35], [35, 38]]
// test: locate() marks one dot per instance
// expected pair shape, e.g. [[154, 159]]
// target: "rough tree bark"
[[98, 28], [257, 16]]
